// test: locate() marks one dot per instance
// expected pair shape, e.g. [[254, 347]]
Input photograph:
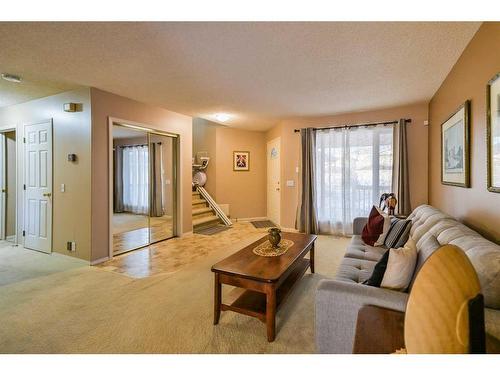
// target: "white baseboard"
[[246, 219], [98, 261], [186, 233], [57, 254]]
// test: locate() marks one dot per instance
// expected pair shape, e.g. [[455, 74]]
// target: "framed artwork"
[[455, 150], [241, 160], [493, 133]]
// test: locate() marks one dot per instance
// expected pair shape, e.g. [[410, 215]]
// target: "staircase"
[[203, 215]]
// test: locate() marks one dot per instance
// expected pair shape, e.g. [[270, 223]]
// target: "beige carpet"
[[72, 308]]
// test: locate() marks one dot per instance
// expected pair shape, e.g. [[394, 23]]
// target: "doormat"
[[263, 224], [211, 230]]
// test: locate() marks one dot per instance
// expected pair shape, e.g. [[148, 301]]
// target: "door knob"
[[46, 194], [4, 190], [277, 189]]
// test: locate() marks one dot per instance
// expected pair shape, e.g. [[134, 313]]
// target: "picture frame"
[[493, 133], [455, 148], [241, 161]]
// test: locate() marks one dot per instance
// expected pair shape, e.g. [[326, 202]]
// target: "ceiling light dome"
[[11, 77], [222, 117]]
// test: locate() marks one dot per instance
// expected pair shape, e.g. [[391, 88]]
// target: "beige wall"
[[290, 151], [245, 192], [106, 105], [479, 62], [204, 133], [71, 134]]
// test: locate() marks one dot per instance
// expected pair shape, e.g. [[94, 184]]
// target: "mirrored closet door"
[[144, 188]]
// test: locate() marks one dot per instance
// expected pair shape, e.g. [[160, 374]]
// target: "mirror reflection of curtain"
[[118, 180], [157, 199], [136, 179]]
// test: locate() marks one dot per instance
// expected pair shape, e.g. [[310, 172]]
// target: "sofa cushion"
[[484, 255], [357, 249], [354, 270]]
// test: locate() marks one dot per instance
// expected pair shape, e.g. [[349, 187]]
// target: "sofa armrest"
[[358, 224], [337, 305]]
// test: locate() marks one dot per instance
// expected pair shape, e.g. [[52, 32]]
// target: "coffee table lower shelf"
[[252, 303]]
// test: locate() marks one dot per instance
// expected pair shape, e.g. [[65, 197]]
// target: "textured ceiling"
[[259, 72]]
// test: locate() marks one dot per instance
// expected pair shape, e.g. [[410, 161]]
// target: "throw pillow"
[[376, 228], [398, 233], [378, 271], [400, 267]]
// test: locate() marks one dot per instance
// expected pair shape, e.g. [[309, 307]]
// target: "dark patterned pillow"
[[398, 234]]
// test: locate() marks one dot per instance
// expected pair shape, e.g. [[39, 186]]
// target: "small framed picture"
[[241, 160], [455, 153], [493, 133]]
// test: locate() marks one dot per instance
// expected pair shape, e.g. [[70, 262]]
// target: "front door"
[[273, 180], [38, 186]]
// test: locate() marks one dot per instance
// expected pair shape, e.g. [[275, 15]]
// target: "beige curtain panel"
[[307, 220], [400, 176]]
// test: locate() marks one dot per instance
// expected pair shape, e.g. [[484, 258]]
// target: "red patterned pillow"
[[377, 227]]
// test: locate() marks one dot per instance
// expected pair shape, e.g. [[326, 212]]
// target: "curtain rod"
[[138, 145], [407, 120]]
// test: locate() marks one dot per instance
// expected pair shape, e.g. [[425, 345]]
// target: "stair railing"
[[213, 205]]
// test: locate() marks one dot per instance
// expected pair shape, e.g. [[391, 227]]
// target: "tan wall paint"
[[204, 133], [290, 151], [479, 62], [245, 192], [71, 134], [106, 105]]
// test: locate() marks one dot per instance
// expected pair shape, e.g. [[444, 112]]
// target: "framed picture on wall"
[[241, 160], [455, 150], [493, 133]]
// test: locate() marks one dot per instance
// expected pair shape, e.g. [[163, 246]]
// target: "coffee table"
[[263, 283]]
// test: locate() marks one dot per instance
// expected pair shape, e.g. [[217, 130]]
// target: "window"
[[353, 168]]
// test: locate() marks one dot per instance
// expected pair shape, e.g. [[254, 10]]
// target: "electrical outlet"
[[71, 246]]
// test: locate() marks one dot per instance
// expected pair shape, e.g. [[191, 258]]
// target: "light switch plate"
[[290, 183], [296, 169], [63, 188]]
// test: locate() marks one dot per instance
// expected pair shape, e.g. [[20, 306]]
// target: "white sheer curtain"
[[353, 168], [136, 179]]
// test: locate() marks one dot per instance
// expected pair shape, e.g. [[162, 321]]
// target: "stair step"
[[199, 201], [199, 211], [205, 221]]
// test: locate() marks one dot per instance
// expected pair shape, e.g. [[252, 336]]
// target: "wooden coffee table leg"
[[311, 258], [271, 313], [217, 298]]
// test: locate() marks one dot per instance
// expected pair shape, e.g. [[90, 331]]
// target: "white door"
[[273, 180], [3, 184], [38, 185]]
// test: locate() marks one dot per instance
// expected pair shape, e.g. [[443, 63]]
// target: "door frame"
[[3, 171], [177, 191], [277, 139]]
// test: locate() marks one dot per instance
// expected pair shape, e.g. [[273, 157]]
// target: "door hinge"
[[24, 233], [24, 186], [24, 140]]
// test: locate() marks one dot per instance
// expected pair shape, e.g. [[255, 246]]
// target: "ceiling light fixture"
[[11, 78], [222, 117]]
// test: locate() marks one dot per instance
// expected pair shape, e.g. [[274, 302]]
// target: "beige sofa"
[[338, 300]]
